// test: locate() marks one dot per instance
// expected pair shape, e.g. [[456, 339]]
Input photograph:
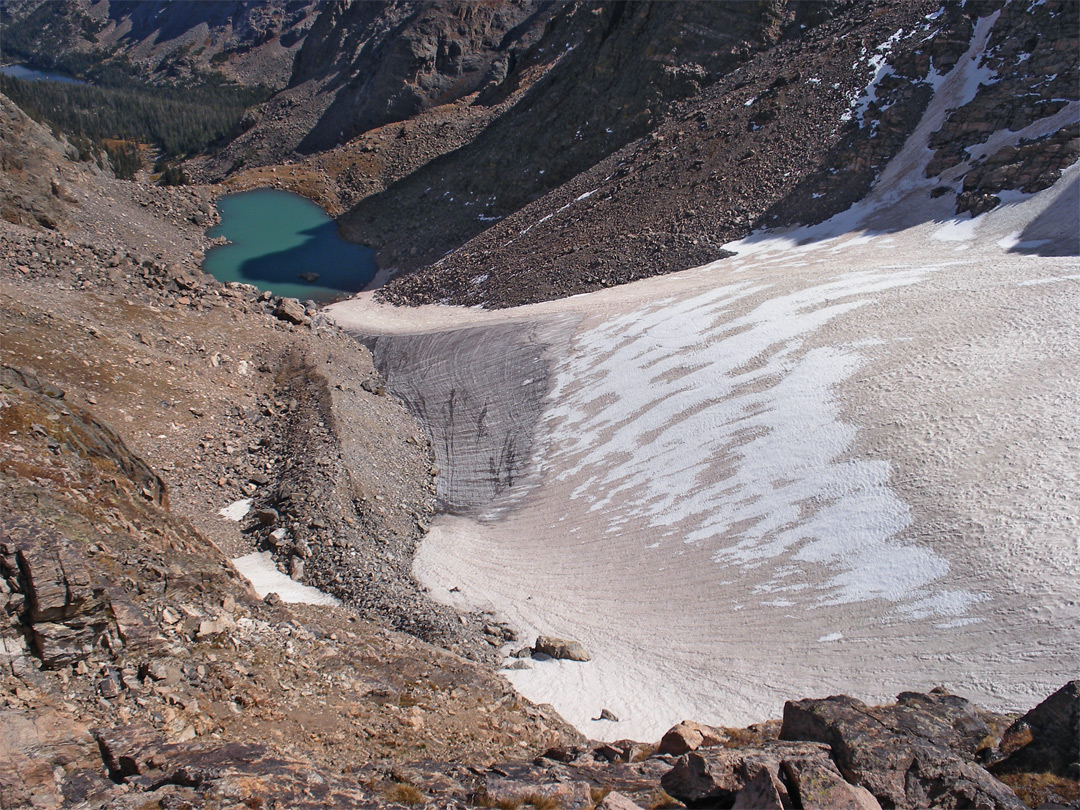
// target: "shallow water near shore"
[[276, 237]]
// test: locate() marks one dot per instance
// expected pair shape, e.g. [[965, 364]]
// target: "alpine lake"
[[288, 245]]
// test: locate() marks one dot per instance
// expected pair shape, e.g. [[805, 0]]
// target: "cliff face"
[[393, 60], [610, 73]]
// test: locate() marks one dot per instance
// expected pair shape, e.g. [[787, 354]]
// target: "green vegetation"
[[170, 174], [179, 120], [125, 158]]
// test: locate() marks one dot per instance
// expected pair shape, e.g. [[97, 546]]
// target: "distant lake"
[[275, 237], [23, 72]]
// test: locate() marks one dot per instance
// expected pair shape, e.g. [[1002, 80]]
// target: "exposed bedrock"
[[479, 393]]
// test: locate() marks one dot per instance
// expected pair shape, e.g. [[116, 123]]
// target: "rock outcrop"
[[777, 775], [1045, 739], [917, 753], [781, 136]]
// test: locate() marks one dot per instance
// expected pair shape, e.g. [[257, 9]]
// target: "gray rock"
[[718, 775], [899, 753], [820, 786]]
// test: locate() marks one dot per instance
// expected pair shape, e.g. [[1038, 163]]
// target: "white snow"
[[839, 461], [259, 569], [237, 510], [861, 102]]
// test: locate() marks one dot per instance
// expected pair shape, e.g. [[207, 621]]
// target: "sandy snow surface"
[[845, 460]]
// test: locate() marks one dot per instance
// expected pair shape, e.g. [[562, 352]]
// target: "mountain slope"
[[796, 135]]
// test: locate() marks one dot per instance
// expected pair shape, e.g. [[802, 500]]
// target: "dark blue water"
[[23, 72], [275, 237]]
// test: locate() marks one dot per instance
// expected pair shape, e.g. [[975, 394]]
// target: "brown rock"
[[1046, 738], [58, 582], [689, 736], [289, 309], [561, 648], [34, 749], [215, 627], [616, 801], [59, 645], [759, 793]]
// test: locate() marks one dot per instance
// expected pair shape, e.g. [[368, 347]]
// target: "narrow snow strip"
[[260, 571], [1035, 282]]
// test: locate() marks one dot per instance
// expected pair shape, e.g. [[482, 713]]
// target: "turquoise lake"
[[275, 237]]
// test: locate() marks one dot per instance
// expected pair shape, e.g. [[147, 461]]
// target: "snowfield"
[[846, 459], [847, 464]]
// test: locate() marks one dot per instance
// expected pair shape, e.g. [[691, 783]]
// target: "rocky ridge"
[[250, 42], [727, 161], [139, 667]]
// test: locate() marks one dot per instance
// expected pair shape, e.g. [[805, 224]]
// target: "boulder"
[[1046, 739], [760, 793], [820, 786], [561, 648], [717, 775], [289, 309], [689, 736], [616, 801], [771, 776], [902, 754]]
